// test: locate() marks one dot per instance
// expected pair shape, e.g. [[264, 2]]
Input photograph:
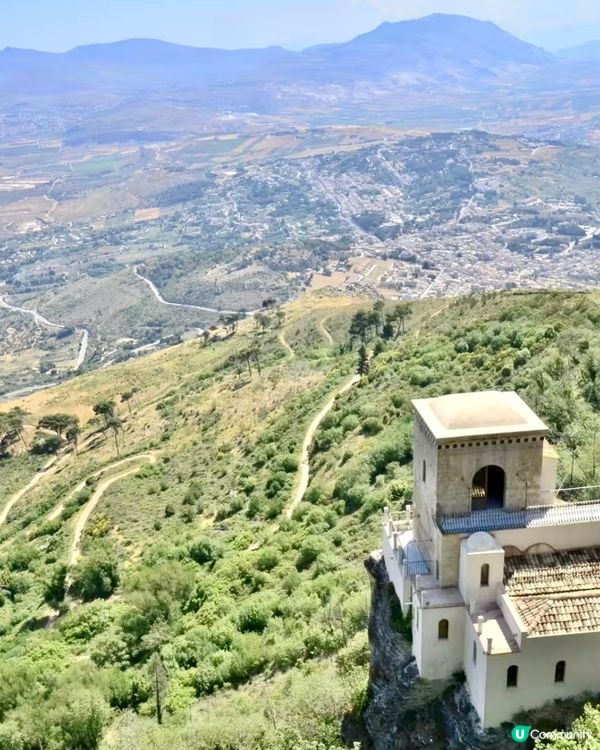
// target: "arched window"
[[512, 676], [484, 576], [443, 630], [487, 488], [559, 671]]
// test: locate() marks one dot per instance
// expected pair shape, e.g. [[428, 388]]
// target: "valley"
[[164, 240]]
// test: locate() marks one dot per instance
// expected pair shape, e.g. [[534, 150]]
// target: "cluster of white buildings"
[[502, 577]]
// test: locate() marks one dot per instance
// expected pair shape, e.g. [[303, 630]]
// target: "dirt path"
[[431, 317], [325, 333], [88, 509], [48, 470], [304, 469], [290, 352], [58, 509]]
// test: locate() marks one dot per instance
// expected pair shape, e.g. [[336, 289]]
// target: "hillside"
[[478, 72], [190, 575]]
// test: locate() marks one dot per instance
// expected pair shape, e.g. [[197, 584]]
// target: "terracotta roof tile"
[[571, 614], [567, 571], [556, 593]]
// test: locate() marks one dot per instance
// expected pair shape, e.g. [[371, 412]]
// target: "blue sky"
[[61, 24]]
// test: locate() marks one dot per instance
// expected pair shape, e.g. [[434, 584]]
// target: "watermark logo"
[[520, 733]]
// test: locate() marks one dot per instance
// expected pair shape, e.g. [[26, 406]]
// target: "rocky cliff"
[[404, 712]]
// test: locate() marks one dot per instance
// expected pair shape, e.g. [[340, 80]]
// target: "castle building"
[[502, 577]]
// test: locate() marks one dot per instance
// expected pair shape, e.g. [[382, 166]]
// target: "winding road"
[[42, 321], [186, 305]]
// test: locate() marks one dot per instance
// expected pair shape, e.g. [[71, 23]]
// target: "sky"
[[58, 25]]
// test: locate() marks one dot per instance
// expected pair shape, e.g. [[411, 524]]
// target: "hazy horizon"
[[65, 24]]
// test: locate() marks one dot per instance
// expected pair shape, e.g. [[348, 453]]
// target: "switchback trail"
[[58, 509], [89, 507], [304, 469], [50, 468]]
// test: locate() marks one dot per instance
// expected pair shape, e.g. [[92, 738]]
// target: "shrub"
[[371, 426], [310, 550], [268, 559], [204, 551], [98, 573], [253, 617]]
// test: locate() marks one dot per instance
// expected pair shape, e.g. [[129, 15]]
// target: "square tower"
[[476, 451]]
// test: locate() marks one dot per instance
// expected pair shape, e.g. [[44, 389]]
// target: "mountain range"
[[390, 69]]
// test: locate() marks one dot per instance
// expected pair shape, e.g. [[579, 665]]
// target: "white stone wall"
[[469, 582], [570, 536], [536, 662], [475, 671], [437, 659], [395, 571]]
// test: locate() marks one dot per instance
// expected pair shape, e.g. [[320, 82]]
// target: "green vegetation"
[[198, 614]]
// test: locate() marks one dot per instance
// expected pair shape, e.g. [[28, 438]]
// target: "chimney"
[[479, 625], [489, 645]]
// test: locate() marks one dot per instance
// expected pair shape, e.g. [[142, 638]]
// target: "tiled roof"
[[496, 519], [556, 593], [569, 571], [560, 616]]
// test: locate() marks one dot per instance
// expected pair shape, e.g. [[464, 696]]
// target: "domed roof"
[[481, 541]]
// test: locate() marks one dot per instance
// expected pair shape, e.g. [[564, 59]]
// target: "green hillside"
[[203, 609]]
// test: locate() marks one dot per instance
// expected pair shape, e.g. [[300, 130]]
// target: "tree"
[[262, 321], [587, 724], [126, 397], [114, 424], [54, 592], [363, 360], [106, 408], [360, 326], [379, 308], [14, 422], [402, 312], [72, 436], [230, 322], [57, 422], [159, 681]]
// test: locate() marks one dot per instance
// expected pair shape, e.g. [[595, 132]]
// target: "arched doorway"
[[487, 490]]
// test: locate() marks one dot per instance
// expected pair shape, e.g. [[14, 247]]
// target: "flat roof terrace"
[[498, 519], [464, 415]]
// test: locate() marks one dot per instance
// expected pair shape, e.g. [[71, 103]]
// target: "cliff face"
[[404, 712]]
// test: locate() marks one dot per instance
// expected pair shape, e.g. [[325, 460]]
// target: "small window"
[[474, 652], [437, 570], [484, 576], [417, 618], [443, 630], [424, 471], [512, 676], [559, 671]]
